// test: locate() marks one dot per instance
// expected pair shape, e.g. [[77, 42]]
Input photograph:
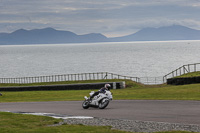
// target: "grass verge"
[[192, 74], [20, 123], [133, 91]]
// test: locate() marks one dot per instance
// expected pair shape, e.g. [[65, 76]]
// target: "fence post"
[[97, 76], [85, 76], [105, 76], [164, 79], [188, 67], [81, 76], [89, 77]]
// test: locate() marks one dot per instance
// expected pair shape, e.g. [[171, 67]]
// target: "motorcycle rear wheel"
[[104, 104], [85, 104]]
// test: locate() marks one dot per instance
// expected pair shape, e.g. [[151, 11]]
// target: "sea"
[[137, 59]]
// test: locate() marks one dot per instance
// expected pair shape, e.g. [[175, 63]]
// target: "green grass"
[[20, 123], [164, 92], [192, 74], [132, 91]]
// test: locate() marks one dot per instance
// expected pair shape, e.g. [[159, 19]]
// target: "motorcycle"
[[100, 101]]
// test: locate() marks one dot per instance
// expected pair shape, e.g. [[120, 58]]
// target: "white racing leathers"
[[100, 101]]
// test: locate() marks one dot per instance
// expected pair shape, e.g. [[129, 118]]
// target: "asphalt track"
[[185, 112]]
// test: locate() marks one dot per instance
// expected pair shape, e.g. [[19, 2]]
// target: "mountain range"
[[52, 36]]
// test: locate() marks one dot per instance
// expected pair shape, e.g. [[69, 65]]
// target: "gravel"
[[135, 126], [121, 124]]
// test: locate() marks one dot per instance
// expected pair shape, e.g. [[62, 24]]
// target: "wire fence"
[[151, 80], [103, 75], [182, 70], [67, 77], [80, 77]]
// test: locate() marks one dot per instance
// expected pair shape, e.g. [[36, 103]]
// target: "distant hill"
[[175, 32], [48, 36], [52, 36]]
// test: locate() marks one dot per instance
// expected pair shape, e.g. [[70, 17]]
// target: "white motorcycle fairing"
[[100, 101]]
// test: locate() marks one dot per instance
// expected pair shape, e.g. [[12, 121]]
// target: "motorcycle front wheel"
[[103, 103], [85, 104]]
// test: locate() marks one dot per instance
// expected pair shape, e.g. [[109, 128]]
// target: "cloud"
[[110, 17]]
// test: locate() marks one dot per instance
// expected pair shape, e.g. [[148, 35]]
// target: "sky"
[[112, 18]]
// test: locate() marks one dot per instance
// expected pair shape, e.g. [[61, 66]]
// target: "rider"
[[102, 90]]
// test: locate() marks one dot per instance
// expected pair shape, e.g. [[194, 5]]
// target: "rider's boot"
[[90, 99]]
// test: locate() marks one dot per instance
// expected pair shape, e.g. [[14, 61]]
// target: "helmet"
[[107, 86]]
